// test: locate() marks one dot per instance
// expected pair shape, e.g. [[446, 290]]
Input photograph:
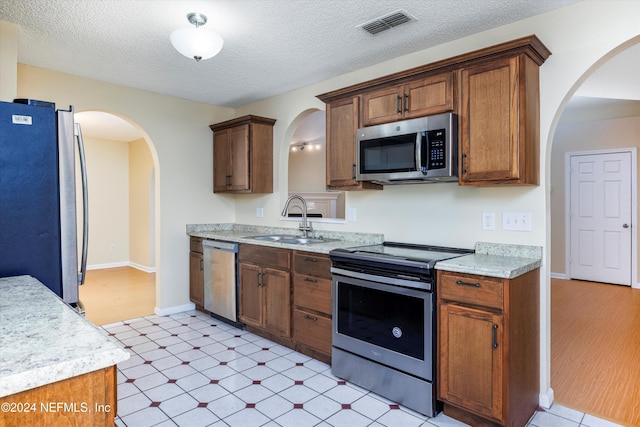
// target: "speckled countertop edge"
[[43, 340], [241, 233], [504, 261]]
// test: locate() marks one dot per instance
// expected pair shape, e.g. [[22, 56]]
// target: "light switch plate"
[[516, 221], [351, 214], [259, 212]]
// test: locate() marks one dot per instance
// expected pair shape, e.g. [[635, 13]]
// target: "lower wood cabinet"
[[265, 289], [312, 304], [285, 296], [87, 400], [196, 272], [488, 347]]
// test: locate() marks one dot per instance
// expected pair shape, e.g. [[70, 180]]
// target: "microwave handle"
[[421, 168]]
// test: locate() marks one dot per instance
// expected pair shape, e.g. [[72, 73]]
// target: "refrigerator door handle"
[[85, 204]]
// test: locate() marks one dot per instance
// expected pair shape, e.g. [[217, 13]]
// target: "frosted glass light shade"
[[197, 43]]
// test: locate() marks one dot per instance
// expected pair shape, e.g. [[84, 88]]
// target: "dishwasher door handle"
[[220, 245]]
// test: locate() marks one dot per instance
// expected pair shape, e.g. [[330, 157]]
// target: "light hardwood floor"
[[113, 294], [595, 349]]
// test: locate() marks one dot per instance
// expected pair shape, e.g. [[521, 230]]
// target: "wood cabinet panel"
[[91, 401], [343, 119], [312, 293], [265, 256], [243, 155], [488, 355], [472, 290], [418, 98], [471, 359], [312, 264], [277, 301], [196, 278], [251, 298], [499, 121], [196, 271], [312, 330]]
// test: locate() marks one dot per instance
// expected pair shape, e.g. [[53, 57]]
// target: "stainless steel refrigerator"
[[38, 220]]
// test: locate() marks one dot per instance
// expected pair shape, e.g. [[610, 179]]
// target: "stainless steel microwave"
[[411, 151]]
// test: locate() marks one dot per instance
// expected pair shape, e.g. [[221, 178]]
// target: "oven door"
[[388, 324]]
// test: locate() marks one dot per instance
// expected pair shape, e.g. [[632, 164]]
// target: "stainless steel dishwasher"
[[221, 280]]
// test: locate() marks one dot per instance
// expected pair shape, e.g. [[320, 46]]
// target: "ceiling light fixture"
[[197, 43]]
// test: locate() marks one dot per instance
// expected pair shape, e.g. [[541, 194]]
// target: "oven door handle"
[[405, 281]]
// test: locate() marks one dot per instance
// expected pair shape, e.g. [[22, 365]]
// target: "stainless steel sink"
[[288, 238]]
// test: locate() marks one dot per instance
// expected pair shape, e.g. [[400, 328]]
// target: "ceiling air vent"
[[386, 22]]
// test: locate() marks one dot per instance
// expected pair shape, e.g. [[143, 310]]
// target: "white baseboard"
[[122, 264], [175, 309], [558, 276], [546, 399]]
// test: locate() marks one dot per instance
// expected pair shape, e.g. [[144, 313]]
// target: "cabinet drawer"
[[312, 292], [312, 264], [312, 330], [196, 244], [265, 256], [470, 289]]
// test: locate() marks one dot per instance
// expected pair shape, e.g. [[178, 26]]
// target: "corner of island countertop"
[[44, 340], [505, 261]]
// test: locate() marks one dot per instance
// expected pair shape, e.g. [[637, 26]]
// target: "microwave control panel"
[[435, 155]]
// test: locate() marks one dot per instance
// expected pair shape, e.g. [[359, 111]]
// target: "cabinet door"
[[382, 106], [251, 294], [490, 122], [277, 301], [471, 359], [239, 136], [196, 278], [221, 160], [431, 95], [342, 123]]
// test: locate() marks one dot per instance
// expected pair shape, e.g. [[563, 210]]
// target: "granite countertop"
[[241, 233], [496, 260], [43, 340]]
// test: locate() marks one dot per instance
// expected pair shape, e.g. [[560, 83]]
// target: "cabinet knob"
[[495, 336], [306, 316], [625, 226], [406, 102], [461, 283], [399, 109], [309, 279], [307, 259]]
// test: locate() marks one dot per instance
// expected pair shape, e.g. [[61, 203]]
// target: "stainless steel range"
[[384, 321]]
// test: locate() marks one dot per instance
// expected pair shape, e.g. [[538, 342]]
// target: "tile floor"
[[191, 370]]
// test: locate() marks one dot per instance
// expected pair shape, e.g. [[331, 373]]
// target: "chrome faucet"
[[305, 227]]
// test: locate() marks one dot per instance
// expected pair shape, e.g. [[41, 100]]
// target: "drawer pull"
[[495, 336], [307, 259], [306, 316], [461, 283], [309, 279]]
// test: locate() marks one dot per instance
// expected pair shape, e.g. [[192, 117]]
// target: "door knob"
[[625, 225]]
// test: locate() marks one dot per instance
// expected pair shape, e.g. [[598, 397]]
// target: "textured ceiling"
[[271, 46]]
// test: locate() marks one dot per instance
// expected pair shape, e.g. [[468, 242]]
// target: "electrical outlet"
[[113, 247], [488, 221], [516, 221], [351, 214], [259, 212]]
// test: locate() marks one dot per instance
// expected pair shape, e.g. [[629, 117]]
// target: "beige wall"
[[581, 136], [108, 189], [579, 36], [141, 209], [8, 61]]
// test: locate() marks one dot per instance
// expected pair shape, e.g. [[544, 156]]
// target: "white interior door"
[[600, 217]]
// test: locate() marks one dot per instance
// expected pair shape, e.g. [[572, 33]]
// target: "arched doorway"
[[593, 358], [121, 169]]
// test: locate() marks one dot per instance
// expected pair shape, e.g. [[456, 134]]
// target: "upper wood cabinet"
[[343, 119], [422, 97], [494, 91], [243, 155], [499, 122]]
